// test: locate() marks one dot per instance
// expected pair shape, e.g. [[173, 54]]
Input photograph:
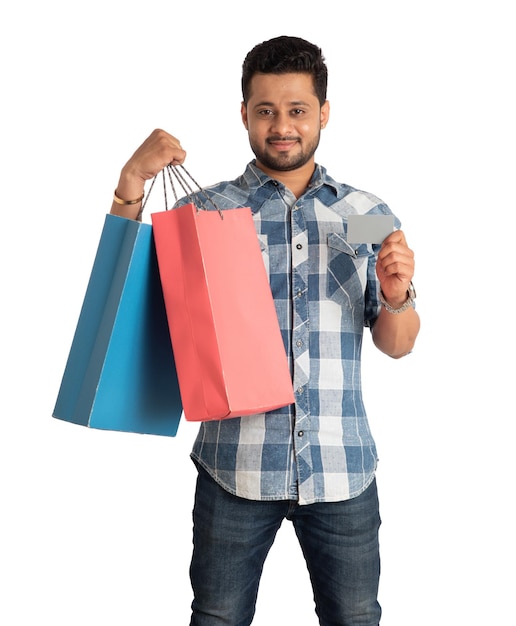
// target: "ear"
[[243, 113], [325, 114]]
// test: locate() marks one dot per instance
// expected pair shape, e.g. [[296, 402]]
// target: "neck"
[[296, 180]]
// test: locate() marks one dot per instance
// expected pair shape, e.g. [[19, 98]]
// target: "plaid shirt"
[[319, 449]]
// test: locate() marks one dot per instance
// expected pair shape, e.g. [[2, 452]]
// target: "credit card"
[[369, 228]]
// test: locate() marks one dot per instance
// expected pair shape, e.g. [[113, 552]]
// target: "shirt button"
[[299, 343], [300, 390], [299, 294], [299, 246], [300, 433]]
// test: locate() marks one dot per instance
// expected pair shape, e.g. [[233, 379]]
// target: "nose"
[[282, 124]]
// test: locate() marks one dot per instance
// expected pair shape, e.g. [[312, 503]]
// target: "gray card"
[[369, 228]]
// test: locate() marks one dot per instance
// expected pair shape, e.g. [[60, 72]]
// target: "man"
[[313, 462]]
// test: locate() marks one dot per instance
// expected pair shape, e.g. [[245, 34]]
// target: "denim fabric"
[[232, 537], [319, 449]]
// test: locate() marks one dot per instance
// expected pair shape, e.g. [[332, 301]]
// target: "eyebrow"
[[272, 104]]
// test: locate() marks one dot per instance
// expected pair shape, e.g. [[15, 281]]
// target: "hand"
[[156, 152], [395, 268]]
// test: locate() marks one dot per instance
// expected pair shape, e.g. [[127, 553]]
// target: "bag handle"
[[185, 180]]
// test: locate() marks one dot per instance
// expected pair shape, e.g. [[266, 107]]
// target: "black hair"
[[284, 55]]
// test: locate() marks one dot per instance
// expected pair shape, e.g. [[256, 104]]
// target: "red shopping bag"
[[229, 353]]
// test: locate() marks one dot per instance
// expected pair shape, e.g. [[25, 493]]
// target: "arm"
[[155, 153], [395, 334]]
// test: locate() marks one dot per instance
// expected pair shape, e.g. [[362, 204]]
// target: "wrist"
[[130, 185], [128, 197], [119, 200], [399, 306]]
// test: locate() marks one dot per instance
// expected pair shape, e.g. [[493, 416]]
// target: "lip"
[[282, 146]]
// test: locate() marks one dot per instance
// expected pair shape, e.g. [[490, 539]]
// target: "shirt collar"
[[256, 178]]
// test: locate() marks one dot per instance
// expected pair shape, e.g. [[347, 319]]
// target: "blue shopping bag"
[[120, 374]]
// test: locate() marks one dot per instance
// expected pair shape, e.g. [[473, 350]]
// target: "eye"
[[265, 112]]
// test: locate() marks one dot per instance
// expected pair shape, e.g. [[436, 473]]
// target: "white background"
[[95, 526]]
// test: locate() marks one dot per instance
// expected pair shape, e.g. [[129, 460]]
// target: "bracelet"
[[411, 294], [119, 200]]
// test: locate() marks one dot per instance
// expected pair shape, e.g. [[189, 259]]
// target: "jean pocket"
[[347, 270]]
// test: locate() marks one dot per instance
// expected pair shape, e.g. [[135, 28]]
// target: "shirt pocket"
[[264, 247], [347, 270]]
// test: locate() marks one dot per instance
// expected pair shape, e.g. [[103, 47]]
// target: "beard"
[[286, 161]]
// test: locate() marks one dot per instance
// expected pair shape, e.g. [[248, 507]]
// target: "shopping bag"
[[228, 349], [120, 374]]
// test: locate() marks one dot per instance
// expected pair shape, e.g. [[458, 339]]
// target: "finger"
[[178, 158], [396, 256], [401, 265], [164, 147], [155, 153], [398, 236], [404, 271], [395, 247]]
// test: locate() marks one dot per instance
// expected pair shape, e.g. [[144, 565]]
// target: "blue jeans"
[[232, 537]]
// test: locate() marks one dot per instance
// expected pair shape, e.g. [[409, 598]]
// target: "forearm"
[[397, 325], [395, 334]]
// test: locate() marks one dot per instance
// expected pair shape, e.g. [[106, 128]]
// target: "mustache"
[[273, 138]]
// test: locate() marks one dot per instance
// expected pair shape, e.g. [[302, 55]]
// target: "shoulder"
[[349, 200]]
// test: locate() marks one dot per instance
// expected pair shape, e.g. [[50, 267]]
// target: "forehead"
[[281, 88]]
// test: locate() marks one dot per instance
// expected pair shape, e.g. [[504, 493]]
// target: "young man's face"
[[284, 120]]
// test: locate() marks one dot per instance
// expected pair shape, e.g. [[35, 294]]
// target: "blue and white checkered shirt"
[[319, 449]]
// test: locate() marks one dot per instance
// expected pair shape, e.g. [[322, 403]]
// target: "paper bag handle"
[[185, 180]]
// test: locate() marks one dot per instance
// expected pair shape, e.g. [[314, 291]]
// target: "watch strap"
[[409, 302]]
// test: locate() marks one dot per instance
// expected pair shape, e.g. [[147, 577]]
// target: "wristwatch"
[[411, 296]]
